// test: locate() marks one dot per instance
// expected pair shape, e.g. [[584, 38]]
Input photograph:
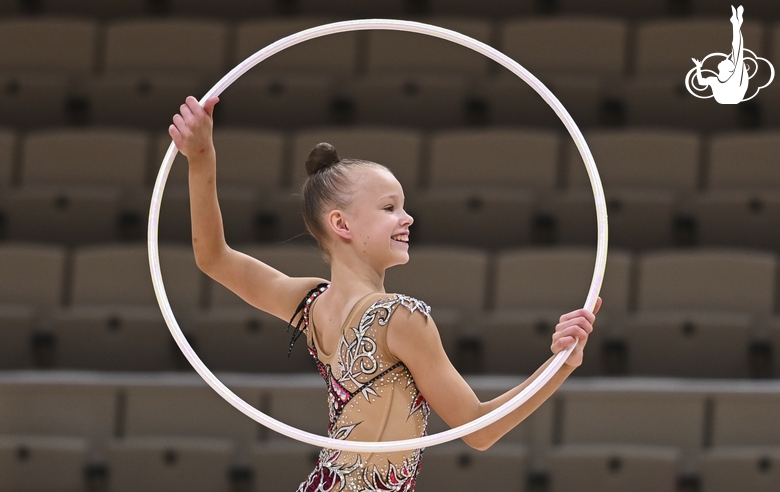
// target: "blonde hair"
[[327, 185]]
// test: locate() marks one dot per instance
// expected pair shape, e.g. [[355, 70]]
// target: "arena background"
[[678, 391]]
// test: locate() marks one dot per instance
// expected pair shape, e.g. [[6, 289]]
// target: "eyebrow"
[[392, 195]]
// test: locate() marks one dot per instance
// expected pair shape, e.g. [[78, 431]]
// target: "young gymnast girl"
[[380, 353]]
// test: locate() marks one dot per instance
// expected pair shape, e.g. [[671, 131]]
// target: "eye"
[[390, 208]]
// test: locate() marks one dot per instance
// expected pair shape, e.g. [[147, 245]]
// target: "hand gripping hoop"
[[408, 444]]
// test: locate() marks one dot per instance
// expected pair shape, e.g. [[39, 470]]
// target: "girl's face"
[[378, 224]]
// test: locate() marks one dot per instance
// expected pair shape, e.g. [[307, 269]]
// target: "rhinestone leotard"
[[371, 397]]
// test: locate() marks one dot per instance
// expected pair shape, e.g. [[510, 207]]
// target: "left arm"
[[415, 340]]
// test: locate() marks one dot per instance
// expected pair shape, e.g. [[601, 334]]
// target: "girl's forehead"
[[375, 180]]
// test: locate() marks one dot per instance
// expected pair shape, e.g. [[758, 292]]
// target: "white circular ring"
[[407, 444]]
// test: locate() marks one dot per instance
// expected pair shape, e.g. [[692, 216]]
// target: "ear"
[[337, 223]]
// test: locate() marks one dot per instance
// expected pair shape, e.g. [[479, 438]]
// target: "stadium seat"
[[166, 46], [632, 10], [742, 219], [568, 45], [743, 161], [436, 276], [614, 468], [392, 52], [245, 339], [146, 101], [693, 344], [757, 9], [63, 214], [97, 8], [499, 158], [53, 45], [282, 465], [638, 219], [400, 150], [639, 159], [42, 463], [489, 8], [775, 40], [559, 278], [745, 419], [667, 46], [239, 213], [277, 101], [719, 280], [78, 158], [33, 100], [517, 341], [58, 409], [353, 8], [417, 101], [7, 158], [510, 101], [292, 260], [457, 467], [754, 468], [772, 336], [96, 270], [663, 101], [113, 338], [245, 158], [233, 9], [483, 216], [187, 411], [304, 408], [282, 212], [32, 275], [165, 464], [666, 418], [336, 54], [16, 331]]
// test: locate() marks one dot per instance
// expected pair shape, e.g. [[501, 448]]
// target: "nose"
[[408, 219]]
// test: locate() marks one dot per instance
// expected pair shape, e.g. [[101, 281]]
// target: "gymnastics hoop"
[[407, 444]]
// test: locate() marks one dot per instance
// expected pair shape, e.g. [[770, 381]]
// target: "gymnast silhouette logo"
[[730, 84]]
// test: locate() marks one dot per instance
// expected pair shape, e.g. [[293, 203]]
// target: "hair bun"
[[322, 156]]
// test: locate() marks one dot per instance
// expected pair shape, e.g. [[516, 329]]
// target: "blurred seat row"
[[704, 313], [580, 45], [144, 433], [395, 8], [376, 77], [290, 101], [663, 187]]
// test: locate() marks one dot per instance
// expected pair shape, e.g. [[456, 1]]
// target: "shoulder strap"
[[303, 322]]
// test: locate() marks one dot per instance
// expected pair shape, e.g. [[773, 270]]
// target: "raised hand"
[[697, 62], [576, 325], [192, 127]]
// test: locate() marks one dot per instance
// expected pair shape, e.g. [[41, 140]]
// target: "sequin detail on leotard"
[[371, 397]]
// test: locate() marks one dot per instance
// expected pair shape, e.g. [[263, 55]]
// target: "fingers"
[[581, 322], [577, 314], [598, 306], [566, 337], [209, 106]]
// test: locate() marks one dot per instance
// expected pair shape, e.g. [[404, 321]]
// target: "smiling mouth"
[[401, 238]]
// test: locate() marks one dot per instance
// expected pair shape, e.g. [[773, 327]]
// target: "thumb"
[[208, 106]]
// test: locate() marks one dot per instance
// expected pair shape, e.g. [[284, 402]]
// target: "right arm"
[[258, 284]]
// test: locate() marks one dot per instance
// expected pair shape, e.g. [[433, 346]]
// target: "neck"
[[351, 277]]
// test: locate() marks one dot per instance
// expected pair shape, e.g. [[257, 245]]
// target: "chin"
[[399, 260]]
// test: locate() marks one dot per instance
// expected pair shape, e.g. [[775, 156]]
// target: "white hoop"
[[408, 444]]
